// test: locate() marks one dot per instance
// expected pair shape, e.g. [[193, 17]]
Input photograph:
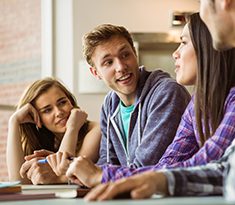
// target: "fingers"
[[36, 117], [96, 192], [110, 190], [24, 168], [144, 191], [115, 189], [42, 174], [38, 153], [140, 186], [59, 162], [85, 170], [77, 117]]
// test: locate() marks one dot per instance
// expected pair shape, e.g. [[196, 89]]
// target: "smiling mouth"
[[125, 78]]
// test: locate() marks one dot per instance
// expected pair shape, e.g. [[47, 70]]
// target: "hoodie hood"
[[147, 81]]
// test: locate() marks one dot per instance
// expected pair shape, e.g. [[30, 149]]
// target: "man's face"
[[116, 64], [219, 23]]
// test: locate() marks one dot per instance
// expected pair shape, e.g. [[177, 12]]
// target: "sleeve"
[[215, 146], [164, 111], [184, 144], [103, 144], [114, 172], [195, 181], [200, 180]]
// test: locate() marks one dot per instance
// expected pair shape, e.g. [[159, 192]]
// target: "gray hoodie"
[[160, 103]]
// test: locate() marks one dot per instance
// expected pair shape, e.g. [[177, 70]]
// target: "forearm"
[[91, 143], [69, 141], [15, 155]]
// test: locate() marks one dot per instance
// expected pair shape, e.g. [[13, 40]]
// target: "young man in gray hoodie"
[[140, 116]]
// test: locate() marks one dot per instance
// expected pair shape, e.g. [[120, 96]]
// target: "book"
[[23, 196], [10, 187], [12, 191], [60, 190]]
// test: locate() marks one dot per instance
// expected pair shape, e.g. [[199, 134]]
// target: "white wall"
[[71, 19], [135, 15]]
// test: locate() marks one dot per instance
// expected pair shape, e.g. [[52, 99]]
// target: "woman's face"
[[54, 109], [185, 60]]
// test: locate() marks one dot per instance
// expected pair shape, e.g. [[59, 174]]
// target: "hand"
[[25, 114], [140, 186], [76, 119], [40, 173], [38, 153], [84, 171], [59, 162]]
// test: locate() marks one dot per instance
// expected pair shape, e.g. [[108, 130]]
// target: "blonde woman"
[[47, 119]]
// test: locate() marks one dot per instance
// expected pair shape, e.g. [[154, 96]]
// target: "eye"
[[125, 55], [108, 63], [46, 111], [183, 42], [62, 102]]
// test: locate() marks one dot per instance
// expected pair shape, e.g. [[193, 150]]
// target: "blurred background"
[[41, 38]]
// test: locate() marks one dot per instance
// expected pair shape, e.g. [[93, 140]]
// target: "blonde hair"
[[34, 138]]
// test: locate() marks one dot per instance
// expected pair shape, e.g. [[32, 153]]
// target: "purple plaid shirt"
[[185, 150]]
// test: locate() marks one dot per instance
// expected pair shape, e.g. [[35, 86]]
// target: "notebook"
[[61, 190], [12, 191]]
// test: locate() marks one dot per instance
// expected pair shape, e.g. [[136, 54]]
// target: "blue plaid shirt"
[[184, 150]]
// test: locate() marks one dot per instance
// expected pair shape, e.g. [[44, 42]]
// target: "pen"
[[44, 161]]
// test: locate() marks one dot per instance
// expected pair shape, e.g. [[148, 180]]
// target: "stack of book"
[[12, 191]]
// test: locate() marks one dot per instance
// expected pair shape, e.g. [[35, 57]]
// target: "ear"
[[95, 73]]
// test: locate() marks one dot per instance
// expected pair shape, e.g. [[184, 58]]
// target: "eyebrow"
[[120, 50], [43, 108]]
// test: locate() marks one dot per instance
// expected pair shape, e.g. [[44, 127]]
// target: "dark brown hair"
[[100, 35], [215, 78]]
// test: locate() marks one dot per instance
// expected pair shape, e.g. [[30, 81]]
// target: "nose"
[[176, 54], [59, 112], [120, 65]]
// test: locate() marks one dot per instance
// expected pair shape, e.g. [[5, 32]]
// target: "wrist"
[[161, 183], [98, 177], [72, 129]]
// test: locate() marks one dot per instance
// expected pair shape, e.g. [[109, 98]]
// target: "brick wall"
[[20, 59]]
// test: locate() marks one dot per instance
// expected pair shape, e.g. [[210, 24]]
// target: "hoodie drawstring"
[[139, 123], [107, 143]]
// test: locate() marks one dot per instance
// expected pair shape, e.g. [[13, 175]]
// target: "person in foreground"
[[47, 120], [219, 16], [198, 180], [136, 113]]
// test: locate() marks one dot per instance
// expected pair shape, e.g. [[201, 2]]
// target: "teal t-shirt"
[[125, 117]]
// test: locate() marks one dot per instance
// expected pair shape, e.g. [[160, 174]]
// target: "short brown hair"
[[101, 34]]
